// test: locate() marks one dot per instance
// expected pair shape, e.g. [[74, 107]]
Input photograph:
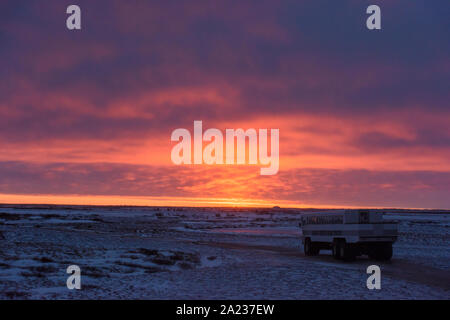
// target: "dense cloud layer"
[[343, 97], [307, 186]]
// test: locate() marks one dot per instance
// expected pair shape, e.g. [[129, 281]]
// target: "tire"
[[315, 249], [309, 248], [346, 251], [381, 252], [336, 250], [387, 252]]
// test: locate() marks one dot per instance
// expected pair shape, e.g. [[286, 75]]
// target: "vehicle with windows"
[[348, 233]]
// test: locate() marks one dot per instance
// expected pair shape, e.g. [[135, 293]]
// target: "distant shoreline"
[[86, 207]]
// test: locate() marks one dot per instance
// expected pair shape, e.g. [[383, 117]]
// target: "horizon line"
[[176, 202]]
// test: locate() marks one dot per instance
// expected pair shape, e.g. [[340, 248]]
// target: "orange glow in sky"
[[87, 117]]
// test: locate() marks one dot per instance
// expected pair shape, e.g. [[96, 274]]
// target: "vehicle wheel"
[[346, 251], [387, 252], [372, 251], [314, 249], [336, 250], [307, 247], [382, 252]]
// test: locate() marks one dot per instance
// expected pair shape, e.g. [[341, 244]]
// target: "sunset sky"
[[364, 116]]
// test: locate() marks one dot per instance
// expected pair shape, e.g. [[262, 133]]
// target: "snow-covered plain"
[[205, 253]]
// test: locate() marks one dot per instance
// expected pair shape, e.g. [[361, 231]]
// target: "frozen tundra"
[[348, 233]]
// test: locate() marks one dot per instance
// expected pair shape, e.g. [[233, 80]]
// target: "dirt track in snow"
[[397, 268]]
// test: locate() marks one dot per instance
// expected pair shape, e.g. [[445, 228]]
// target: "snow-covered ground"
[[204, 253]]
